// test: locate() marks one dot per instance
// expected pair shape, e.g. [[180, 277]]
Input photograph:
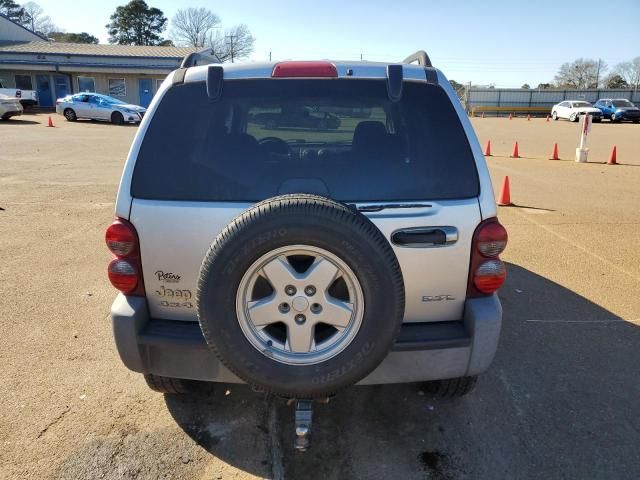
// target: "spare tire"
[[301, 296]]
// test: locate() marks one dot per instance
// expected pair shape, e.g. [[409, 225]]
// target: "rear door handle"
[[425, 237]]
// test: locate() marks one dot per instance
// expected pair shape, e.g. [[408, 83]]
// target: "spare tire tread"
[[313, 204]]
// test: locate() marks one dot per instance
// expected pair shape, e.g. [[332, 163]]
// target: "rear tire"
[[452, 387], [176, 386], [70, 115], [117, 118]]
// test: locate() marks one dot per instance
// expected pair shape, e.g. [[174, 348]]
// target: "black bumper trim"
[[412, 336]]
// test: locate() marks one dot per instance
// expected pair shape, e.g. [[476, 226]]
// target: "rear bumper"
[[423, 351]]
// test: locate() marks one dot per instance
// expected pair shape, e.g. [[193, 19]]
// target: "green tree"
[[13, 11], [526, 86], [64, 37], [37, 21], [616, 81], [136, 24], [544, 86]]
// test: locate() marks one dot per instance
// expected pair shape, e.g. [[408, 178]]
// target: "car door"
[[561, 110], [97, 108], [80, 105]]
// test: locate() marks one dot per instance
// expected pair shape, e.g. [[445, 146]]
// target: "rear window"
[[341, 138]]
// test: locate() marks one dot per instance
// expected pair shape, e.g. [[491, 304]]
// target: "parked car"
[[618, 109], [304, 264], [572, 109], [26, 97], [95, 106], [298, 116], [9, 107]]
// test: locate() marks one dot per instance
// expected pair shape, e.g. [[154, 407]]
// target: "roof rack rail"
[[421, 57], [201, 57]]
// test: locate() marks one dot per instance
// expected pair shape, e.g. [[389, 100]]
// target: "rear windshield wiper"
[[380, 207]]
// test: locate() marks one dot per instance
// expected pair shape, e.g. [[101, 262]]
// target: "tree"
[[615, 81], [237, 42], [630, 72], [64, 37], [544, 86], [581, 73], [458, 87], [193, 26], [36, 20], [526, 86], [136, 24], [13, 11]]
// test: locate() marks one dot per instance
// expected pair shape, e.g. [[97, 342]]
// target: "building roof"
[[61, 48]]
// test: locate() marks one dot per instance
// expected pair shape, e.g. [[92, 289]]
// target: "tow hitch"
[[303, 419]]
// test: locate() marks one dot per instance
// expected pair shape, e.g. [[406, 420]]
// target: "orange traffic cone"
[[487, 150], [554, 152], [510, 116], [505, 194], [528, 117], [50, 124], [613, 156], [547, 118], [515, 153]]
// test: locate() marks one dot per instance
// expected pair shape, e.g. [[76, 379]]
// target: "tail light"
[[487, 272], [125, 270]]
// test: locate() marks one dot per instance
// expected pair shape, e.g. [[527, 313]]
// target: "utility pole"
[[231, 37], [269, 55], [598, 73]]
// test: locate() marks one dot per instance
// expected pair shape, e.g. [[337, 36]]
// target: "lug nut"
[[310, 290], [300, 319], [316, 308], [290, 290], [284, 307]]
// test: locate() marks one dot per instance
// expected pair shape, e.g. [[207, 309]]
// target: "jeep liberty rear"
[[305, 227]]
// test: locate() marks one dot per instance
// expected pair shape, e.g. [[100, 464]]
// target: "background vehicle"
[[618, 109], [98, 107], [297, 116], [9, 107], [303, 260], [572, 109], [27, 97]]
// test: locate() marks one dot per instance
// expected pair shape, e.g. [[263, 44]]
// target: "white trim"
[[78, 77], [124, 81]]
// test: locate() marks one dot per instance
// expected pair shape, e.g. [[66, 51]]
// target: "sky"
[[506, 43]]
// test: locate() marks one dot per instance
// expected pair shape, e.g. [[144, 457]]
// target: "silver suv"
[[306, 226]]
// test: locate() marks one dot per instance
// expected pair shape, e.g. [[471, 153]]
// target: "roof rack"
[[421, 57], [202, 57]]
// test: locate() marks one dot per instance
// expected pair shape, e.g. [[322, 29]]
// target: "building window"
[[86, 84], [158, 83], [117, 87], [23, 82]]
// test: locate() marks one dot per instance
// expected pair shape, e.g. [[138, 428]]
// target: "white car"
[[9, 107], [98, 107], [572, 109]]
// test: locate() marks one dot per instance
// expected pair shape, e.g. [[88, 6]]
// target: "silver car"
[[98, 107], [302, 259]]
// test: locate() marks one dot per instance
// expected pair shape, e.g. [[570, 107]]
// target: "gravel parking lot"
[[560, 401]]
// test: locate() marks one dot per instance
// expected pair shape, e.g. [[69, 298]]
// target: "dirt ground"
[[560, 400]]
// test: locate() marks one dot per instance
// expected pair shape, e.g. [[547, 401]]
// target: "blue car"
[[618, 109]]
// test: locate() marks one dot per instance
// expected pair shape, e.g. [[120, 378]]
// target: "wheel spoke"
[[336, 313], [300, 337], [279, 272], [264, 312], [321, 273]]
